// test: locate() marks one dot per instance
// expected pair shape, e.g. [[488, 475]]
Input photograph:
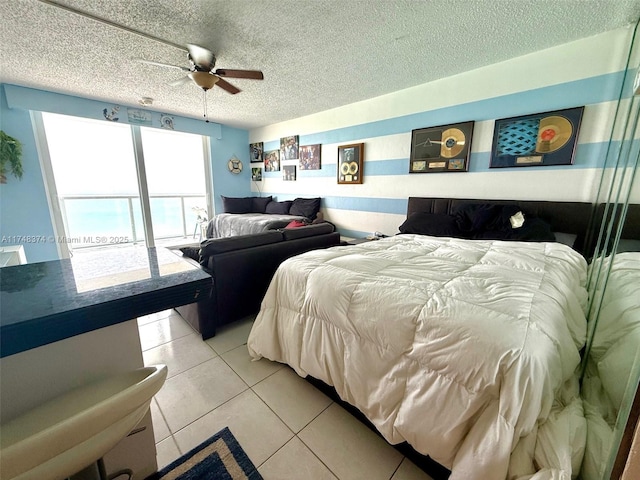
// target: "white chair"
[[65, 435]]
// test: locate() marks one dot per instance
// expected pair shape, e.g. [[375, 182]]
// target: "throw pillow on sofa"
[[281, 208], [305, 207], [237, 205], [259, 204], [295, 224]]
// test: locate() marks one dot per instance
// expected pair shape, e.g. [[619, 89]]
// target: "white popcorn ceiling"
[[315, 54]]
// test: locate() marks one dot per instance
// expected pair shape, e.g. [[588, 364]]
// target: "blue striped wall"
[[595, 80]]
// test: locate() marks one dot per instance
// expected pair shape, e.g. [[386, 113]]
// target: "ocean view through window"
[[100, 182]]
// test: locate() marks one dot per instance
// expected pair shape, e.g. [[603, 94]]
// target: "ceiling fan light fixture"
[[204, 80]]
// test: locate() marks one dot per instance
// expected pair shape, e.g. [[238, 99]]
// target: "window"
[[110, 192]]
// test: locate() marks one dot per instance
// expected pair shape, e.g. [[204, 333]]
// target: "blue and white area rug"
[[220, 457]]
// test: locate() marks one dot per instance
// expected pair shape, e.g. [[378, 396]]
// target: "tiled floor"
[[288, 428]]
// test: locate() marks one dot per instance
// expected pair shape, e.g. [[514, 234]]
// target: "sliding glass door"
[[117, 184]]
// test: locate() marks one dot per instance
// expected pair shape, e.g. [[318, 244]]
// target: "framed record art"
[[540, 139], [441, 149], [350, 163]]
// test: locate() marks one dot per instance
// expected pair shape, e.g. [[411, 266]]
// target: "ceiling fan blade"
[[252, 74], [222, 83], [201, 57], [184, 69], [180, 81]]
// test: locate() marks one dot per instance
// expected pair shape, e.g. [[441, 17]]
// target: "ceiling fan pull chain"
[[204, 99]]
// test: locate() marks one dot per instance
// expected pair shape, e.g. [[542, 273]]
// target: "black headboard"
[[565, 217]]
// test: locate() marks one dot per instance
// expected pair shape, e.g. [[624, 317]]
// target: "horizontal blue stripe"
[[588, 155], [601, 88]]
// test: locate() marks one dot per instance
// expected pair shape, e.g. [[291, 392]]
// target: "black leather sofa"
[[242, 268]]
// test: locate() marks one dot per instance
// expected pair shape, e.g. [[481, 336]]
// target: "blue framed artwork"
[[540, 139]]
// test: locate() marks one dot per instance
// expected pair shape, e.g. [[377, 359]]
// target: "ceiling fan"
[[201, 72]]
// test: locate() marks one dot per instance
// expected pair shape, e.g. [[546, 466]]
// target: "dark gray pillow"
[[237, 205], [191, 252], [281, 208], [306, 207], [259, 204], [435, 224]]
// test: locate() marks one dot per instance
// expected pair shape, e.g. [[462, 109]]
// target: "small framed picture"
[[540, 139], [441, 149], [350, 163], [310, 157], [256, 174], [272, 161], [255, 151], [289, 148], [289, 173]]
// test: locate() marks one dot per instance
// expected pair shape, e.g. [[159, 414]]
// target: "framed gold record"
[[441, 149], [350, 163], [539, 139]]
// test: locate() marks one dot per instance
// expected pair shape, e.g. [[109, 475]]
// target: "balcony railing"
[[99, 220]]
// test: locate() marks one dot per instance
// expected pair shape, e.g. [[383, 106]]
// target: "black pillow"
[[306, 207], [474, 218], [533, 230], [281, 208], [237, 205], [191, 252], [435, 224], [259, 204]]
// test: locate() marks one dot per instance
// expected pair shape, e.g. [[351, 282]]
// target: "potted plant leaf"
[[10, 157]]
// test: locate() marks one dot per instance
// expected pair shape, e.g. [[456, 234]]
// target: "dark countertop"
[[44, 302]]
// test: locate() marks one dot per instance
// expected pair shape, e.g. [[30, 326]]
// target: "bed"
[[249, 215], [466, 349]]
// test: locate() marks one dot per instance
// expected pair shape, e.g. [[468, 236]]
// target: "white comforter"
[[458, 347]]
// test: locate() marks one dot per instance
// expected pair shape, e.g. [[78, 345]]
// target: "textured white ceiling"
[[315, 54]]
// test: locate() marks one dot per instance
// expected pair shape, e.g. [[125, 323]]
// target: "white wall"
[[588, 72]]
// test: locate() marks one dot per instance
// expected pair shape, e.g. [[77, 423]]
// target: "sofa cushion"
[[305, 207], [237, 205], [259, 204], [228, 244], [281, 208], [308, 231]]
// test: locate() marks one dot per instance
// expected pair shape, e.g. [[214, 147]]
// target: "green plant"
[[10, 157]]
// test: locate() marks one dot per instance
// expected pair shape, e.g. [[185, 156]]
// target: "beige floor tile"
[[292, 398], [166, 452], [258, 430], [231, 336], [154, 316], [348, 448], [409, 471], [251, 372], [180, 354], [294, 461], [160, 428], [163, 331], [191, 394]]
